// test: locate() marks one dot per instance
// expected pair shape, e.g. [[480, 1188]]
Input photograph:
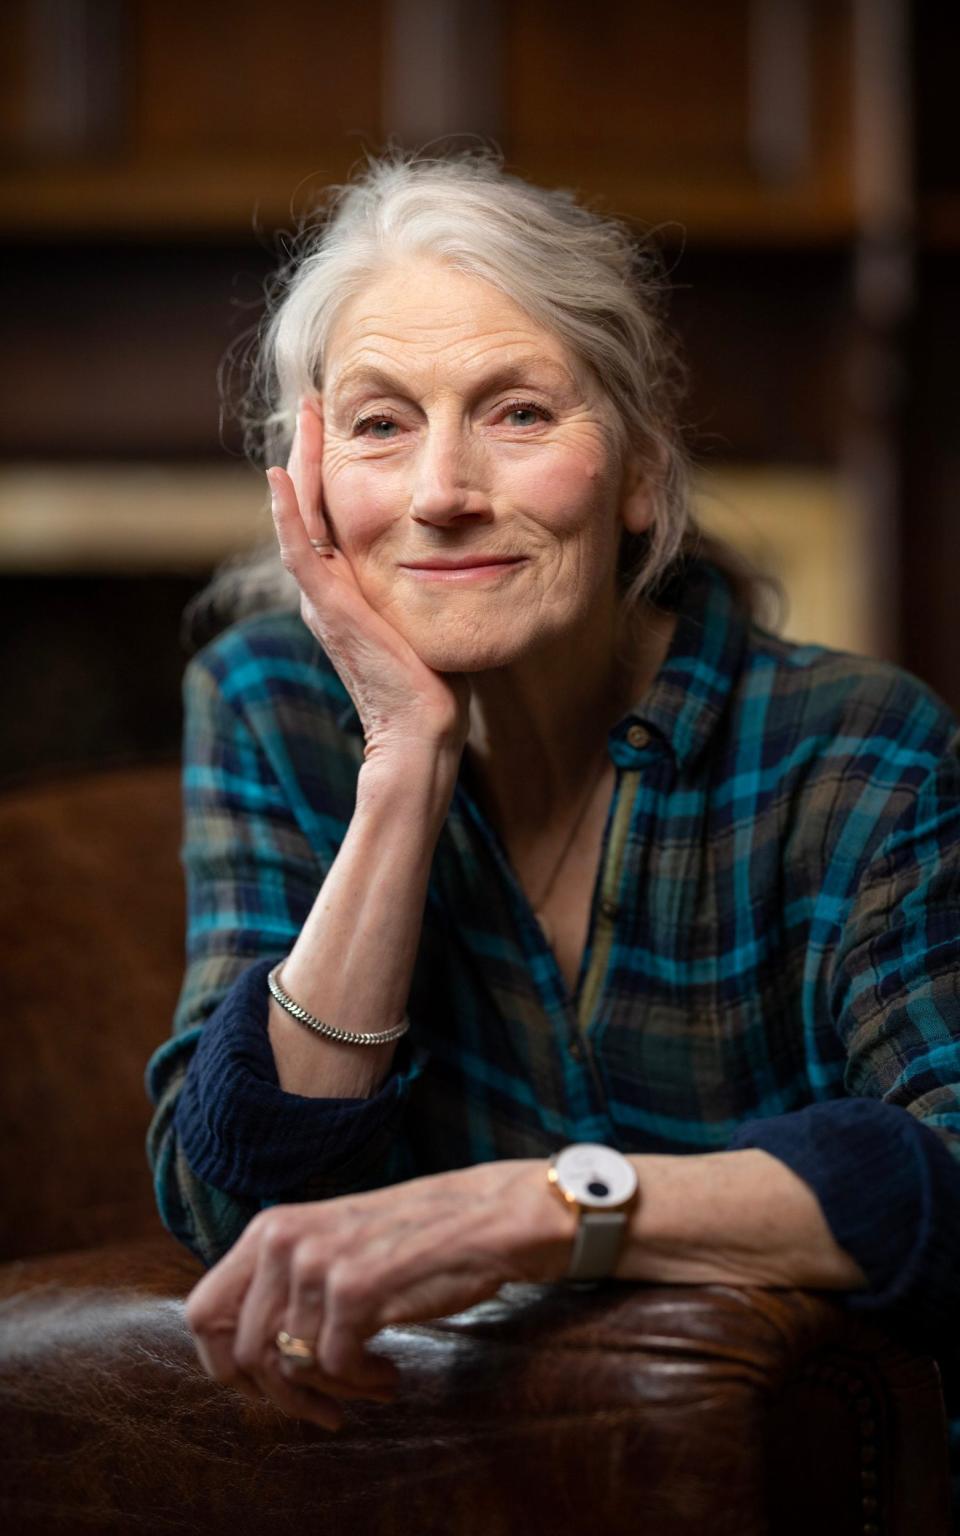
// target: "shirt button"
[[576, 1049], [638, 736], [609, 909]]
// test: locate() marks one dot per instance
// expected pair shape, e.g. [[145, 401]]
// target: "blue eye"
[[525, 408], [373, 421]]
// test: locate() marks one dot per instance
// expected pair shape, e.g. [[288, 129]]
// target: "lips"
[[471, 571], [468, 563]]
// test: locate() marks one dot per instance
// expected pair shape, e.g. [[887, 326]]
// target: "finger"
[[293, 457], [213, 1306], [353, 1298], [304, 1315], [296, 552], [375, 1376], [265, 1304], [310, 481]]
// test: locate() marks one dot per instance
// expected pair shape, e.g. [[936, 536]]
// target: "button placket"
[[608, 908]]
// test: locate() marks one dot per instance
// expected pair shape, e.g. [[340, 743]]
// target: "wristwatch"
[[600, 1184]]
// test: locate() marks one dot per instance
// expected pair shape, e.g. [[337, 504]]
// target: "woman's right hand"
[[400, 700]]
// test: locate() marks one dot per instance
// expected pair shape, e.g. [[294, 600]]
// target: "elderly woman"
[[548, 916]]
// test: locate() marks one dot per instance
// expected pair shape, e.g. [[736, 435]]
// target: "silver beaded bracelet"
[[350, 1036]]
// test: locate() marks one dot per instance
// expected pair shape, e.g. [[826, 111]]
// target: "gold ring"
[[321, 543], [300, 1351]]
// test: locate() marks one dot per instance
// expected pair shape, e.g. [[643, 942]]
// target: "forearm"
[[352, 962], [742, 1217]]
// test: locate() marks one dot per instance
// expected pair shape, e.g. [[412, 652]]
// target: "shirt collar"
[[683, 705]]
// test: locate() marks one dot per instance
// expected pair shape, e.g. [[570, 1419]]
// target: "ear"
[[636, 501]]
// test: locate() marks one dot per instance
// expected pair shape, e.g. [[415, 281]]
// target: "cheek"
[[362, 501], [563, 491]]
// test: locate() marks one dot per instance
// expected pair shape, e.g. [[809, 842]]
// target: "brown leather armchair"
[[609, 1409]]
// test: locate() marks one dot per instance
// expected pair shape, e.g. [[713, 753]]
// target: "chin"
[[465, 652], [466, 658]]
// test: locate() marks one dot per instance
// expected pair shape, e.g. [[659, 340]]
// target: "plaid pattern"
[[776, 926]]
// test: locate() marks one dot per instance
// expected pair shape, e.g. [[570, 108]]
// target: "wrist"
[[556, 1226], [420, 779], [532, 1229]]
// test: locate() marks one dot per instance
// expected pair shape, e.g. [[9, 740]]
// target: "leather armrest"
[[610, 1408]]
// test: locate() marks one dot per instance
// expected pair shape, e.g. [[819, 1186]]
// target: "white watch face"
[[595, 1175]]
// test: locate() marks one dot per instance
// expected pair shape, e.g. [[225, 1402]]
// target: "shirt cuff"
[[889, 1190], [241, 1133]]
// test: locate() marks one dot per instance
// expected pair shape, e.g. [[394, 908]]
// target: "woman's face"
[[456, 429]]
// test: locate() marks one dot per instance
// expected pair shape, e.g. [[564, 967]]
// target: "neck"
[[538, 728]]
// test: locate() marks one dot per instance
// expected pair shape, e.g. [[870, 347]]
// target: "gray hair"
[[583, 276]]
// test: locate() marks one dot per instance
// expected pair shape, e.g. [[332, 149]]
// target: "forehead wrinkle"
[[519, 371]]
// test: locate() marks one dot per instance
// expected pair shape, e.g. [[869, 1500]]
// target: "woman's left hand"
[[334, 1272]]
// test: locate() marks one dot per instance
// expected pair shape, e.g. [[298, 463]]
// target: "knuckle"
[[346, 1286], [308, 1265], [278, 1236]]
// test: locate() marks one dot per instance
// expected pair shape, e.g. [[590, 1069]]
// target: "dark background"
[[798, 159]]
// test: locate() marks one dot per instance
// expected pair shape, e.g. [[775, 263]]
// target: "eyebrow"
[[509, 374]]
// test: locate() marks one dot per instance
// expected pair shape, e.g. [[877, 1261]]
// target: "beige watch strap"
[[596, 1247]]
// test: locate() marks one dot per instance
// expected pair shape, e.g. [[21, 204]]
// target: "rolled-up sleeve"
[[884, 1161], [241, 1132]]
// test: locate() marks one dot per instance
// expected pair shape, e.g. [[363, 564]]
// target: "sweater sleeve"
[[884, 1162], [225, 1139], [241, 1132]]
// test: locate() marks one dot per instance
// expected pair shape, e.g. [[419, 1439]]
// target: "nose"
[[442, 484]]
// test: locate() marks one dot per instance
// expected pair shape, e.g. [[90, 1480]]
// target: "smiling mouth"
[[478, 570], [468, 563]]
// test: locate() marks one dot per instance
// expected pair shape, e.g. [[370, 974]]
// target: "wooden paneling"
[[287, 81], [14, 67], [731, 118], [666, 111], [224, 113]]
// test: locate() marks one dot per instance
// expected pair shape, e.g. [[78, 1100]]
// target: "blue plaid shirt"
[[773, 957]]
